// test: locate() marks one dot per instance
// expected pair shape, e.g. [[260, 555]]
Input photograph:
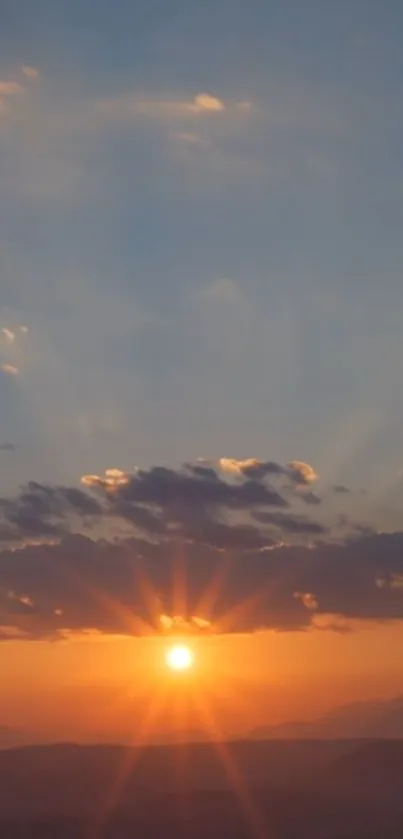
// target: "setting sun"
[[180, 657]]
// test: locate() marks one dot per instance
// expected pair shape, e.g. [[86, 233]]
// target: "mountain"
[[286, 790], [13, 737], [374, 719], [71, 779]]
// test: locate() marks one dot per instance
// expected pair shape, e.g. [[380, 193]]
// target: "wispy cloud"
[[132, 105], [9, 334], [13, 87], [9, 369], [10, 88], [12, 340], [30, 72]]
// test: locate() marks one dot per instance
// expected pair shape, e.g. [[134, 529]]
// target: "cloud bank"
[[244, 558], [128, 587]]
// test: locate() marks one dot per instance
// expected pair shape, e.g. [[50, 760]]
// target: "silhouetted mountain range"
[[374, 719], [378, 718], [245, 790]]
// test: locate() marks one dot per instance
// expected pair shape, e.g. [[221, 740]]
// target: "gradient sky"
[[201, 254]]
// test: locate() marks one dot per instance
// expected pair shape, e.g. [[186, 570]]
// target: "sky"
[[200, 290]]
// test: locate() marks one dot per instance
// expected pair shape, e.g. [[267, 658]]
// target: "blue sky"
[[201, 213]]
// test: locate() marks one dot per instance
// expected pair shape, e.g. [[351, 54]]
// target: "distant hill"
[[260, 790], [13, 737], [372, 769], [72, 780], [375, 719]]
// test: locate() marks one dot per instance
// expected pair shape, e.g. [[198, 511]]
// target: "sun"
[[180, 657]]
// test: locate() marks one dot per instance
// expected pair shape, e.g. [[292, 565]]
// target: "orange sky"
[[101, 688]]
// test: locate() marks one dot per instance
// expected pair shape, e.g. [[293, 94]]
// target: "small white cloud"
[[131, 105], [9, 334], [27, 601], [395, 582], [30, 72], [206, 102], [9, 369], [308, 599]]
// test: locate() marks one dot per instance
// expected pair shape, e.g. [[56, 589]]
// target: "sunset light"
[[180, 657]]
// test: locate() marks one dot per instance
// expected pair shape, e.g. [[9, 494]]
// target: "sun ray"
[[150, 597], [212, 592], [134, 624], [179, 583], [131, 759], [234, 775]]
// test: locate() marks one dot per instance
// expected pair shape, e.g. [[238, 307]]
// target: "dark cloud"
[[150, 500], [340, 489], [81, 584], [167, 488], [260, 470], [7, 447], [226, 536], [291, 523], [234, 535], [44, 511], [310, 498], [202, 471]]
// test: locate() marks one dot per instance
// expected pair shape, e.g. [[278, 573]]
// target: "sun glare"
[[180, 657]]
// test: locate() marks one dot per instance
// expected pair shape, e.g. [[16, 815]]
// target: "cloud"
[[10, 88], [310, 498], [9, 369], [302, 472], [182, 495], [291, 523], [110, 481], [30, 72], [249, 561], [126, 587], [340, 489], [240, 467], [192, 503], [395, 581], [308, 599], [297, 471], [12, 349], [9, 334], [133, 105], [230, 504], [7, 447], [206, 102]]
